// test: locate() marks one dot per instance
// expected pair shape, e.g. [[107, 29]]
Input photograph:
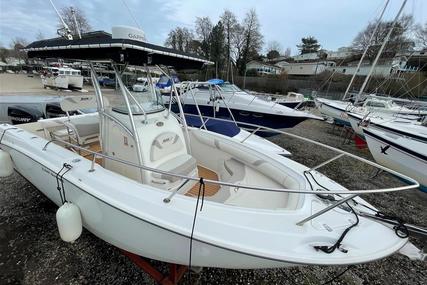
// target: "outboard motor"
[[53, 110], [23, 114]]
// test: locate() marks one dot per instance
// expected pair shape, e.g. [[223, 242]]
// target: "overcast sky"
[[333, 22]]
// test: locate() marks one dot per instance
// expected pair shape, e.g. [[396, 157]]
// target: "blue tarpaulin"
[[216, 81]]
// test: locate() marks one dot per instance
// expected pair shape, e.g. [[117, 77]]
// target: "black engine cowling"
[[23, 114]]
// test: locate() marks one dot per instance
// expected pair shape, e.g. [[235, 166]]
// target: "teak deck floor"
[[210, 189], [96, 147]]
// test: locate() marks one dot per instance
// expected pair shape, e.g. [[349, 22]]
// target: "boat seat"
[[85, 129], [250, 159], [168, 153], [233, 172], [183, 164]]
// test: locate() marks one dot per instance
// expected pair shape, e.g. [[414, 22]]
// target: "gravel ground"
[[31, 251]]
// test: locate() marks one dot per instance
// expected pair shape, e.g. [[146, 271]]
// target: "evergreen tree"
[[308, 45], [217, 46]]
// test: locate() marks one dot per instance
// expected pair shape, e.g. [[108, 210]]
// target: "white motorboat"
[[292, 99], [216, 98], [399, 145], [18, 109], [62, 77], [358, 121], [334, 109], [386, 107], [139, 176], [373, 107]]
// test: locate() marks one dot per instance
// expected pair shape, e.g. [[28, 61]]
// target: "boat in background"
[[164, 84], [20, 109], [334, 109], [358, 121], [62, 78], [401, 146], [339, 110], [291, 100], [25, 109], [216, 98]]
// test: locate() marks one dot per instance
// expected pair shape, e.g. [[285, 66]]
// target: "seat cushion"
[[183, 164], [85, 126], [234, 171]]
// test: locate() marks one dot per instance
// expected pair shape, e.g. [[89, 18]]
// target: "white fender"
[[6, 164], [69, 222]]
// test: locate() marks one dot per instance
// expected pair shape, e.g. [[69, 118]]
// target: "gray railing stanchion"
[[174, 192], [326, 162], [45, 146], [327, 209], [256, 130], [92, 166]]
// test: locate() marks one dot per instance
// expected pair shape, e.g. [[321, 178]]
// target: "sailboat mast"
[[73, 12], [67, 29], [381, 50], [366, 50]]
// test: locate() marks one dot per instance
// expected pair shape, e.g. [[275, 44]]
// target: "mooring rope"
[[330, 249], [401, 230], [202, 194], [60, 178], [325, 248]]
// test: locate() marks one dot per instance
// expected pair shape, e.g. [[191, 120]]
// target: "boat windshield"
[[228, 87], [166, 81], [145, 97]]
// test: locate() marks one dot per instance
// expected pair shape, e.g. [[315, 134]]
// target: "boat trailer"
[[176, 271]]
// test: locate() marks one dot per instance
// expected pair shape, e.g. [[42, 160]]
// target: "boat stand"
[[347, 134], [176, 272]]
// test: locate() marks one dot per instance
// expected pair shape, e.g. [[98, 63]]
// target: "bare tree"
[[180, 39], [421, 35], [203, 31], [400, 39], [274, 49], [274, 45], [17, 45], [81, 19], [229, 22], [238, 42], [4, 53], [253, 39], [40, 36]]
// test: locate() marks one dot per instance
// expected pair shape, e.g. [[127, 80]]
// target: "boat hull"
[[63, 82], [355, 124], [398, 156], [132, 233], [134, 217], [339, 115], [273, 121]]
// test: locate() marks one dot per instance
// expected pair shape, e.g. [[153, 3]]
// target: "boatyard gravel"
[[31, 251]]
